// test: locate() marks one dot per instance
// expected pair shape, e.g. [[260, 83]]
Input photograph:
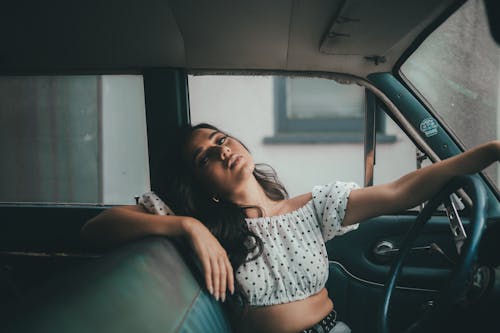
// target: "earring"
[[215, 199]]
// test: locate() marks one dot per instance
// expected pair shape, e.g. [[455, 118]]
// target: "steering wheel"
[[460, 276]]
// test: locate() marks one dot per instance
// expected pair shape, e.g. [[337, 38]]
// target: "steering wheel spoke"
[[456, 225]]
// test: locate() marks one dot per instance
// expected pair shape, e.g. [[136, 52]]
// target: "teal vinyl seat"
[[144, 286]]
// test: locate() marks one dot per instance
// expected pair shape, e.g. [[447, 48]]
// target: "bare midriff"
[[290, 317]]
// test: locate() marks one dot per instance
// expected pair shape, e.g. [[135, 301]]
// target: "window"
[[244, 107], [312, 110], [456, 71], [72, 139]]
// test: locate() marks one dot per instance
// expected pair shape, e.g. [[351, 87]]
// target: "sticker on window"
[[429, 127]]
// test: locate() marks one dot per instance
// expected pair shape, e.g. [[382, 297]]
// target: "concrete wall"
[[125, 166]]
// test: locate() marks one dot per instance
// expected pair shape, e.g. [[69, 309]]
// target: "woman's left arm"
[[417, 186]]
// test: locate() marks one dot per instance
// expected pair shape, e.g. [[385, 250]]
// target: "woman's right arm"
[[125, 223]]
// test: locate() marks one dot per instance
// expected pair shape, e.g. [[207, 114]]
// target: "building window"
[[313, 110]]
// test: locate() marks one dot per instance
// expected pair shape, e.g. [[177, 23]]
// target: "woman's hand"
[[216, 266]]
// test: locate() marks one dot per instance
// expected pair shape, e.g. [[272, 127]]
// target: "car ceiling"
[[225, 35]]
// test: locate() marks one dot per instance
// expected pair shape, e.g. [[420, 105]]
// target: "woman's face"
[[219, 161]]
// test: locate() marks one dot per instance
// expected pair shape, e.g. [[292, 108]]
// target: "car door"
[[442, 102]]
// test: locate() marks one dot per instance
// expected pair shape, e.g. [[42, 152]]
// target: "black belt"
[[325, 324]]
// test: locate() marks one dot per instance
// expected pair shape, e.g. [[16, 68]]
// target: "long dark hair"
[[225, 219]]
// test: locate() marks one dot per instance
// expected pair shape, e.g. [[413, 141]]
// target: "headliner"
[[225, 35]]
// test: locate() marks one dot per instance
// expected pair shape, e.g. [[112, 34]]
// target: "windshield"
[[456, 71]]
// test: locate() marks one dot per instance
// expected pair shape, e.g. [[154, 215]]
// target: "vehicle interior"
[[432, 268]]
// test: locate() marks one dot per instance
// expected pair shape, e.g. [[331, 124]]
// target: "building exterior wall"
[[125, 163]]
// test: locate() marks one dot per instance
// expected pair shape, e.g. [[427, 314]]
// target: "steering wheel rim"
[[468, 254]]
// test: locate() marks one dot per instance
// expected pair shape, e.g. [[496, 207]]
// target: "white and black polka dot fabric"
[[294, 263], [153, 204], [330, 202]]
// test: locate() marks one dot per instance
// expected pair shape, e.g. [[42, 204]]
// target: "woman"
[[255, 243]]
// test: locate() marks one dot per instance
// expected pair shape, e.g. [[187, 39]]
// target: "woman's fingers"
[[205, 261], [215, 277], [223, 277], [217, 269], [221, 274], [230, 275]]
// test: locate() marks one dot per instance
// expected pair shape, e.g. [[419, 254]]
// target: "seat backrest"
[[144, 286]]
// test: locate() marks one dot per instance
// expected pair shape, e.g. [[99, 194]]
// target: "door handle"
[[385, 250]]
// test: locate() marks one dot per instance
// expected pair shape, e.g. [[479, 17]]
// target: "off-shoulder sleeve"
[[330, 202], [153, 204]]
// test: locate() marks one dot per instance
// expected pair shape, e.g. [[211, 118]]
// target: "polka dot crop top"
[[294, 262]]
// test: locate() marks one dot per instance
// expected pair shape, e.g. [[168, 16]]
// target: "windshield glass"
[[456, 71]]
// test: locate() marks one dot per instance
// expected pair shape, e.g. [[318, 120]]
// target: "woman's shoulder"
[[297, 202], [285, 207], [332, 189], [318, 194]]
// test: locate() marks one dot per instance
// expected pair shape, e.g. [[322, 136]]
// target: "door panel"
[[357, 302], [423, 269], [357, 277]]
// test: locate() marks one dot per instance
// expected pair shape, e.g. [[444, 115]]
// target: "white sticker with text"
[[429, 127]]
